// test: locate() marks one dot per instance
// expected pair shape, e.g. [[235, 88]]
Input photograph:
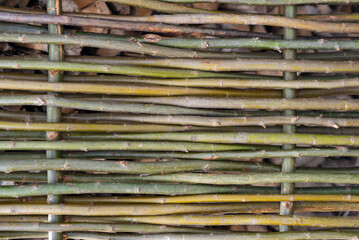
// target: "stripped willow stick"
[[129, 167], [159, 6], [74, 20], [22, 235], [225, 236], [18, 28], [126, 89], [167, 188], [323, 17], [168, 44], [231, 64], [50, 100], [218, 198], [124, 188], [339, 152], [97, 127], [250, 19], [206, 198], [267, 2], [35, 135], [128, 46], [189, 102], [160, 209], [275, 44], [243, 137], [114, 21], [244, 178], [197, 82], [119, 145], [110, 69], [184, 19], [198, 220], [162, 120], [97, 117], [198, 64], [117, 78], [144, 188], [30, 29], [93, 227], [192, 141], [193, 178], [118, 178], [334, 18], [244, 64], [260, 103]]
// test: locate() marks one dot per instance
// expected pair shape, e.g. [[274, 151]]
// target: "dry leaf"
[[143, 11], [207, 6], [107, 52], [83, 3], [98, 8]]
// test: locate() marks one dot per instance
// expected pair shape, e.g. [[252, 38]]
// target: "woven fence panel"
[[179, 119]]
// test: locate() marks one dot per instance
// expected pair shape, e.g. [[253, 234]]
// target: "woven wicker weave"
[[193, 129]]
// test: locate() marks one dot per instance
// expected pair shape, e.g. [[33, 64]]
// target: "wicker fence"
[[179, 135]]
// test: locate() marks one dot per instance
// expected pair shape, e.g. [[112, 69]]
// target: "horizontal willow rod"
[[121, 45], [124, 188], [31, 124], [348, 235], [206, 198], [245, 64], [267, 2], [275, 44], [92, 227], [120, 145], [38, 135], [259, 103], [31, 29], [191, 141], [247, 178], [50, 100], [167, 188], [136, 105], [241, 121], [197, 64], [160, 209], [250, 19], [18, 28], [218, 198], [199, 220], [22, 235], [9, 15], [127, 89], [110, 69], [339, 152], [212, 178], [130, 167], [84, 127], [322, 17], [112, 116], [162, 120], [354, 17], [243, 137], [196, 82], [118, 178]]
